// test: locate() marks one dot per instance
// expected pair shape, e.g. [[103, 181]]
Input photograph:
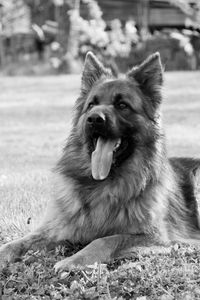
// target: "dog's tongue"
[[102, 158]]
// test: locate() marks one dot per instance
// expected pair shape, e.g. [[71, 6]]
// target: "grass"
[[35, 120]]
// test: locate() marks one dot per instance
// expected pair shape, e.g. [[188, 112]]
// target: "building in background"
[[154, 14]]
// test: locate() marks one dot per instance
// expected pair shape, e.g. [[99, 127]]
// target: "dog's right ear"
[[93, 70]]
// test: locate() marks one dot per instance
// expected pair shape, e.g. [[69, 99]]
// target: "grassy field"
[[34, 122]]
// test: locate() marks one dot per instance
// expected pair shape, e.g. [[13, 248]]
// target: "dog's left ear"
[[93, 70], [149, 76]]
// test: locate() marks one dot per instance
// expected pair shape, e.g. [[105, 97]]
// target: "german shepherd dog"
[[116, 188]]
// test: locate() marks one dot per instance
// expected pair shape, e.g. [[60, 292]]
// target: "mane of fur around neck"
[[116, 204], [144, 169]]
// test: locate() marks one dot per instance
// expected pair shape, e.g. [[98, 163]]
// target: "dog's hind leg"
[[105, 249]]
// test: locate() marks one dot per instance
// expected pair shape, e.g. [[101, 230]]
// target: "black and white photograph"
[[99, 149]]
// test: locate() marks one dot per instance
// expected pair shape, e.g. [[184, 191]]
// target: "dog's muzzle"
[[97, 120], [104, 144]]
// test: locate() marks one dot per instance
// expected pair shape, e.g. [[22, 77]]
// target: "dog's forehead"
[[115, 85], [108, 89], [122, 86]]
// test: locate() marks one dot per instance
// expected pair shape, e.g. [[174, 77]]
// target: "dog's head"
[[118, 115]]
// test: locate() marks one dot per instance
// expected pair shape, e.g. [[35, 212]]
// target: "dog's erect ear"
[[93, 70], [149, 76]]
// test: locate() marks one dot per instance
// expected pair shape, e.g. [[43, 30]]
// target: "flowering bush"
[[93, 33], [120, 47]]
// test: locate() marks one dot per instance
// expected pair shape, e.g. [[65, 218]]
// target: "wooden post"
[[62, 19], [2, 52], [58, 21], [143, 17], [73, 38]]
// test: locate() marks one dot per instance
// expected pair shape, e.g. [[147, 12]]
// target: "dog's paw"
[[6, 256], [69, 263], [10, 252]]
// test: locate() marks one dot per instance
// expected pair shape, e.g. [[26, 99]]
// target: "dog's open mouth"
[[103, 156]]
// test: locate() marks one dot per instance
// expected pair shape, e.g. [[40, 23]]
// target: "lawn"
[[35, 118]]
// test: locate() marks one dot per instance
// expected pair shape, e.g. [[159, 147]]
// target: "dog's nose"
[[96, 119]]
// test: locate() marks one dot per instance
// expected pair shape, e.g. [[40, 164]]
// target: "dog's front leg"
[[39, 239], [105, 249]]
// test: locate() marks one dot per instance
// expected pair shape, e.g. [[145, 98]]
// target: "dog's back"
[[188, 172]]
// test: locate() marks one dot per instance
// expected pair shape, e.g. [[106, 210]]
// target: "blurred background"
[[52, 36], [42, 48]]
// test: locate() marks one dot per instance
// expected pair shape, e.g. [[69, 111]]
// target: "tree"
[[15, 17]]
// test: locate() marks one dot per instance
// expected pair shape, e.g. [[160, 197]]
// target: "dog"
[[116, 189]]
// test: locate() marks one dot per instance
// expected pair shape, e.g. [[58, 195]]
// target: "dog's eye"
[[122, 105], [90, 105], [94, 101]]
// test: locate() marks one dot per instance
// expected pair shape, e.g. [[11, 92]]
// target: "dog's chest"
[[87, 213], [108, 215]]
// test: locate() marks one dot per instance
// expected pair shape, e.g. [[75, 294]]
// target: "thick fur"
[[146, 199]]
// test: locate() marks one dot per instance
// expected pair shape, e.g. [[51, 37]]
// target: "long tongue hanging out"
[[102, 158]]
